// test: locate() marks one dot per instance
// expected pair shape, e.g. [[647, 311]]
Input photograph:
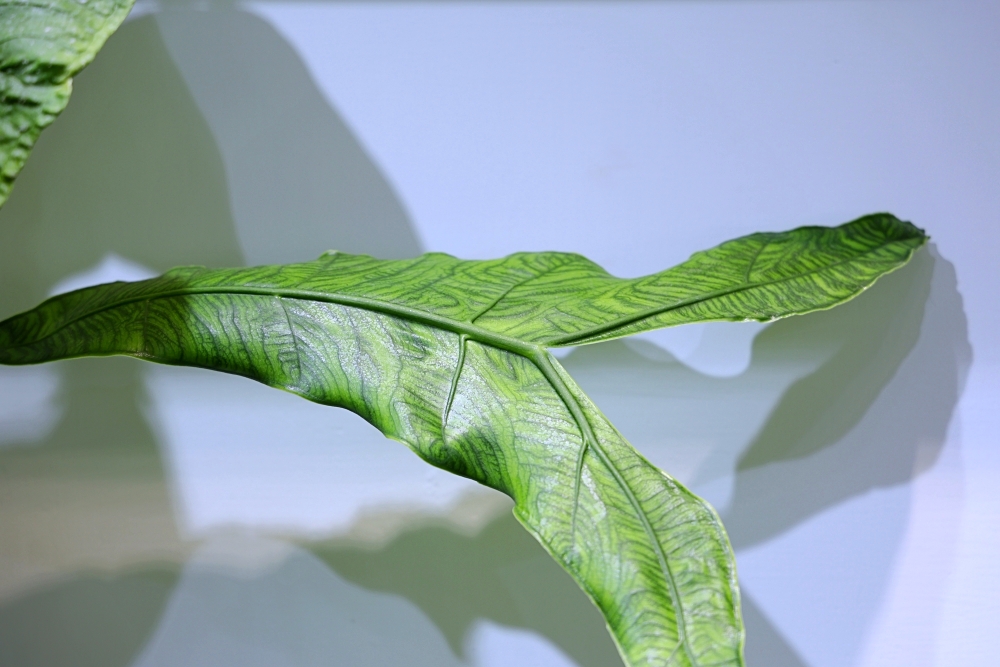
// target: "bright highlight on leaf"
[[43, 44], [449, 357]]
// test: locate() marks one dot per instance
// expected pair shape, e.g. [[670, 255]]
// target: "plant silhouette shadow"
[[500, 574], [165, 196], [834, 405], [91, 548], [874, 415]]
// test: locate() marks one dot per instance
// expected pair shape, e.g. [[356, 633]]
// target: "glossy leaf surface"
[[43, 44], [449, 357]]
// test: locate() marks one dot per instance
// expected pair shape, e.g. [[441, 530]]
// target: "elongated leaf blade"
[[424, 350], [761, 277], [43, 44]]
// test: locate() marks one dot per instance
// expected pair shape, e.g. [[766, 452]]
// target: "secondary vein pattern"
[[449, 357]]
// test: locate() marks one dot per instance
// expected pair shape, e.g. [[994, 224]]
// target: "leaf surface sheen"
[[43, 44], [449, 357]]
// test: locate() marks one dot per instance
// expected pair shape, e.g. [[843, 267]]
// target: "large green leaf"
[[449, 357], [43, 44]]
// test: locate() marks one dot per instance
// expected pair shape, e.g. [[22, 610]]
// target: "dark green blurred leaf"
[[43, 44]]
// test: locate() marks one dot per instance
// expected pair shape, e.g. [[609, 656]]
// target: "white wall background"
[[634, 133]]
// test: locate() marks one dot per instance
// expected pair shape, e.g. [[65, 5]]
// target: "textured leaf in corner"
[[43, 44], [450, 358]]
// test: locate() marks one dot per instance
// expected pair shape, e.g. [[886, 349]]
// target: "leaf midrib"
[[544, 364], [459, 326], [472, 331], [579, 337]]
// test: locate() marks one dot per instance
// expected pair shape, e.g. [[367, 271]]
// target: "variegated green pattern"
[[761, 277], [449, 357], [43, 44]]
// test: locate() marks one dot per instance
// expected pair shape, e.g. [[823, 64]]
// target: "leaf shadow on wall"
[[135, 166], [299, 181], [91, 547], [500, 574], [854, 397], [834, 405], [874, 416], [825, 441]]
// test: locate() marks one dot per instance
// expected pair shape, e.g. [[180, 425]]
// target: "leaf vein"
[[756, 255], [511, 289], [542, 361], [454, 384], [295, 340], [659, 310]]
